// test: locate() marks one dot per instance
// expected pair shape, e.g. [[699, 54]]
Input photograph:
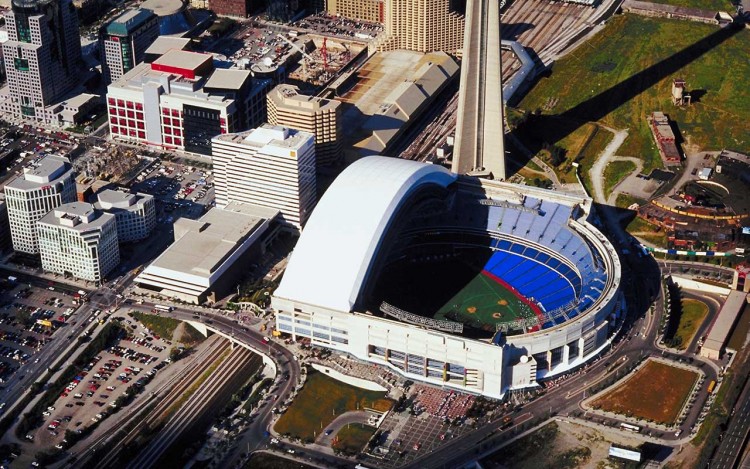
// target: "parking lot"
[[29, 316], [93, 394], [414, 437], [180, 190]]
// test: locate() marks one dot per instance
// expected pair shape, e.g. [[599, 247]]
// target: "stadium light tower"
[[480, 148]]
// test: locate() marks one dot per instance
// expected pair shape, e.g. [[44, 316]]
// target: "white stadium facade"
[[384, 213]]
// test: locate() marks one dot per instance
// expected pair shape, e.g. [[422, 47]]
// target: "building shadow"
[[558, 126]]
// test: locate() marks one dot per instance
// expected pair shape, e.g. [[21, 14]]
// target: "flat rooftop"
[[112, 199], [164, 44], [129, 22], [43, 172], [79, 216], [228, 79], [206, 243], [269, 135], [288, 97], [726, 318], [183, 59]]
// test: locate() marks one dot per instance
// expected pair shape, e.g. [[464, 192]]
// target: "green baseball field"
[[486, 301]]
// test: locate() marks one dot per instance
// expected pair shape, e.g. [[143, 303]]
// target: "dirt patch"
[[656, 392]]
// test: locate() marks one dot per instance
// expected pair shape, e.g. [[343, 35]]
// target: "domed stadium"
[[476, 284]]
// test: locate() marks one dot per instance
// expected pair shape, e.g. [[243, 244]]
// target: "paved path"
[[597, 170], [638, 169], [354, 416]]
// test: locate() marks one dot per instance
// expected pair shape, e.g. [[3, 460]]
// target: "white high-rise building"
[[78, 240], [270, 166], [135, 213], [45, 185]]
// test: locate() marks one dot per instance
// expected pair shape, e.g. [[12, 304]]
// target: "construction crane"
[[301, 50]]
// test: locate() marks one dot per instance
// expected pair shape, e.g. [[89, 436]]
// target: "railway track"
[[108, 445], [192, 408]]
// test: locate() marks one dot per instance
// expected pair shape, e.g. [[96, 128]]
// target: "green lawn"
[[693, 314], [352, 438], [160, 325], [615, 172], [625, 72], [484, 302], [711, 5], [319, 402], [625, 201], [647, 231]]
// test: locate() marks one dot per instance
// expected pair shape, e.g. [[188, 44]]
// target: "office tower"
[[365, 10], [43, 186], [320, 117], [123, 42], [78, 240], [135, 213], [423, 25], [479, 145], [42, 56], [270, 166]]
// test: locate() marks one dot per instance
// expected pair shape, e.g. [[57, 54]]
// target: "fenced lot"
[[656, 392]]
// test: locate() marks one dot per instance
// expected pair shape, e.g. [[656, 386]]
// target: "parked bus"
[[162, 309], [711, 386], [630, 428]]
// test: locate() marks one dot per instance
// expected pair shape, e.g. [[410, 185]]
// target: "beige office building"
[[365, 10], [320, 117], [422, 26]]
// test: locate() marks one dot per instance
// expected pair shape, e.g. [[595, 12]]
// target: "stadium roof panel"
[[342, 236]]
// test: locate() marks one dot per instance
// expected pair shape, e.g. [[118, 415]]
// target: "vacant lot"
[[693, 314], [656, 392], [625, 72], [615, 172], [320, 401], [546, 447], [352, 438], [647, 231]]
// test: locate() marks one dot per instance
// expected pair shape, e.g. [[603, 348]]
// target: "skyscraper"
[[123, 42], [422, 25], [270, 166], [42, 56], [479, 145]]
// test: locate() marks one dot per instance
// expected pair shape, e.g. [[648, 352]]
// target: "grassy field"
[[625, 201], [352, 438], [711, 5], [628, 69], [541, 448], [483, 302], [165, 327], [647, 231], [319, 402], [693, 314], [615, 172], [582, 145], [655, 392]]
